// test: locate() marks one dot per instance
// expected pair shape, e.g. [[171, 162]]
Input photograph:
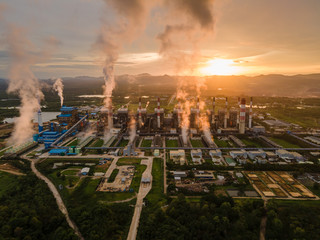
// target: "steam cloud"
[[196, 22], [58, 87], [23, 82], [130, 19], [132, 129]]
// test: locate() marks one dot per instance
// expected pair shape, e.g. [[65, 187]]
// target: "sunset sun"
[[219, 67]]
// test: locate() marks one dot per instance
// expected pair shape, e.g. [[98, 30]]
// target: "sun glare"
[[219, 67]]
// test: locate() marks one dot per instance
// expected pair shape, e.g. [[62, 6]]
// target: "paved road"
[[164, 169], [57, 196], [143, 191]]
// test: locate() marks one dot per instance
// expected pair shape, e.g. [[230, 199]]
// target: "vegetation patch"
[[113, 175]]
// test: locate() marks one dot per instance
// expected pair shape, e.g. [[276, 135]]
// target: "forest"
[[29, 211], [213, 217]]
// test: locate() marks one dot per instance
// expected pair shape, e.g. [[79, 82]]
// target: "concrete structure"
[[313, 139], [259, 129], [204, 175], [129, 151], [237, 154], [215, 153], [242, 124], [230, 161], [181, 174], [196, 156], [281, 153], [298, 157], [178, 156], [271, 156], [259, 153], [85, 171], [250, 114]]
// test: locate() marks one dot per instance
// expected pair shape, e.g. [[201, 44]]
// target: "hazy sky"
[[256, 37]]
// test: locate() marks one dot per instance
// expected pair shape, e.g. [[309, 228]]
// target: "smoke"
[[23, 82], [132, 129], [129, 20], [205, 127], [58, 87], [193, 21]]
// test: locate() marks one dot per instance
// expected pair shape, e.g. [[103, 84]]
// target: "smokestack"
[[110, 114], [198, 112], [179, 112], [40, 124], [242, 125], [226, 114], [238, 112], [213, 109], [158, 113], [140, 118], [250, 114]]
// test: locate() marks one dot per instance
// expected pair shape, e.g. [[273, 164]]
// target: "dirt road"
[[58, 198], [143, 191]]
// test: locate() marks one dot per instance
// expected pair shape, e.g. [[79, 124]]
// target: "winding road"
[[57, 196]]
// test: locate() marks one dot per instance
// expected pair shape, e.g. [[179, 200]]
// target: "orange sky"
[[250, 37]]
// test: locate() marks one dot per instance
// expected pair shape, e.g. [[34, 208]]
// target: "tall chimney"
[[198, 112], [213, 109], [250, 114], [179, 112], [40, 123], [140, 118], [110, 114], [242, 125], [158, 113], [238, 112], [226, 114]]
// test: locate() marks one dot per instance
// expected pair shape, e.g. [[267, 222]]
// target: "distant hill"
[[264, 85]]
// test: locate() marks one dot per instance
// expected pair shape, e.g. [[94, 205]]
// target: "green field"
[[123, 143], [156, 192], [73, 143], [172, 143], [251, 143], [113, 175], [284, 143], [221, 143], [196, 143], [135, 184], [146, 143], [97, 143], [128, 161], [71, 171]]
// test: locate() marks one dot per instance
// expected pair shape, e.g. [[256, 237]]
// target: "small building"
[[58, 152], [281, 153], [215, 153], [196, 156], [180, 174], [259, 129], [242, 160], [260, 160], [145, 180], [156, 153], [129, 151], [238, 154], [313, 139], [253, 154], [230, 161], [85, 171], [298, 157], [239, 175], [271, 156], [204, 175], [178, 156]]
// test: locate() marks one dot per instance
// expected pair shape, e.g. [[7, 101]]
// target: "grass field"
[[146, 143], [128, 161], [251, 142], [156, 192], [284, 143], [196, 143], [73, 143], [6, 181], [221, 143], [71, 171], [113, 175], [97, 143], [172, 143], [135, 184], [123, 143]]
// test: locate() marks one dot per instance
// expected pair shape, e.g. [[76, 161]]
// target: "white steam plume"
[[132, 129], [58, 87], [130, 19]]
